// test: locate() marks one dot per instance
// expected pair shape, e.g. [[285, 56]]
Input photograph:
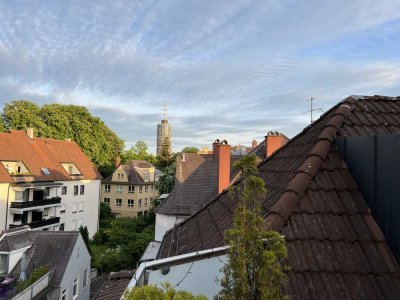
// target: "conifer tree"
[[255, 268]]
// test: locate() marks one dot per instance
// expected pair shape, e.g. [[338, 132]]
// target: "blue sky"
[[228, 69]]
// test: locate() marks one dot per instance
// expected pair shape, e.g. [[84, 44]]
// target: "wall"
[[90, 199], [78, 262], [165, 223], [202, 276], [14, 257], [3, 205]]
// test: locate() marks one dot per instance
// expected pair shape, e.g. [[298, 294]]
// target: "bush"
[[166, 292], [33, 276]]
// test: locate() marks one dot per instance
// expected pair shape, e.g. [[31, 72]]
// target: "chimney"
[[223, 153], [29, 133], [253, 144], [273, 141], [215, 147], [117, 161]]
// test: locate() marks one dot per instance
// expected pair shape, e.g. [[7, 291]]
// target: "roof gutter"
[[171, 260]]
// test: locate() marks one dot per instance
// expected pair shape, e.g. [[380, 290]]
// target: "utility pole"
[[312, 109]]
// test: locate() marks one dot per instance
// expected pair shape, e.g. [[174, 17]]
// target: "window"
[[146, 188], [118, 202], [80, 206], [106, 188], [120, 176], [73, 224], [45, 171], [64, 190], [76, 188], [85, 278], [146, 176], [140, 189], [107, 201], [61, 227], [74, 207], [47, 192], [140, 213], [145, 201], [75, 290], [64, 294], [79, 223], [131, 202], [82, 191], [17, 218], [62, 209], [131, 189], [119, 189], [45, 212], [140, 202], [152, 188], [71, 169]]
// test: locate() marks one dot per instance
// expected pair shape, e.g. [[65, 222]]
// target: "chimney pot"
[[253, 144], [30, 133]]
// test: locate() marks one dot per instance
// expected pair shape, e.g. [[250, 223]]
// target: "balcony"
[[39, 224], [19, 207]]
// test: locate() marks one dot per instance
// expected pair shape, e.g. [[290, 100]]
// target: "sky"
[[228, 69]]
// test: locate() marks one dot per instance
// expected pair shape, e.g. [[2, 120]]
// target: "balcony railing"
[[37, 224], [35, 203], [38, 286]]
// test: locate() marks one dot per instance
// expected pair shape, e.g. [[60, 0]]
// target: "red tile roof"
[[43, 153], [335, 246]]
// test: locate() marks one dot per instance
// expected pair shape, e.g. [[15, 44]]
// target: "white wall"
[[202, 276], [14, 258], [3, 205], [90, 200], [78, 262], [165, 223]]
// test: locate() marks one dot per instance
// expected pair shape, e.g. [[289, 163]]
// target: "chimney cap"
[[216, 141], [273, 133]]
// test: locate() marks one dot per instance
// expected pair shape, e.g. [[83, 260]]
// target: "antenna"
[[165, 109], [312, 109]]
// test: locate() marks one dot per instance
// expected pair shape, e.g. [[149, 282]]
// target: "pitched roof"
[[51, 248], [196, 183], [335, 246], [116, 285], [40, 153], [133, 175]]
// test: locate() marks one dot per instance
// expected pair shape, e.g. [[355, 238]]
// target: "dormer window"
[[71, 169], [120, 176], [45, 171], [18, 170]]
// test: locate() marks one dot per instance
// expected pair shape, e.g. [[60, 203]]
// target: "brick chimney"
[[30, 133], [273, 141], [253, 144], [222, 150]]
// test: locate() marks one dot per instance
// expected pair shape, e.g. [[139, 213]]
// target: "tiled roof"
[[196, 183], [133, 175], [336, 249], [43, 153], [51, 248], [114, 288]]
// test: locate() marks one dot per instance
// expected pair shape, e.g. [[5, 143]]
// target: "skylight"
[[45, 171]]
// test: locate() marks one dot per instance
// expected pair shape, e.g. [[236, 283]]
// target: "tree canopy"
[[255, 268], [166, 292], [166, 182], [137, 152], [190, 150], [100, 144]]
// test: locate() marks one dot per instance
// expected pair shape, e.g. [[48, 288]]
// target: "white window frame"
[[119, 189], [131, 189], [140, 203], [85, 278], [64, 293], [146, 188], [76, 281], [107, 188], [108, 201], [131, 204], [116, 202]]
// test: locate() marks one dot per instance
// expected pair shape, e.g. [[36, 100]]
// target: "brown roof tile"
[[336, 249]]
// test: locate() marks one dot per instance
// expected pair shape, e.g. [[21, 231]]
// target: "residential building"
[[47, 184], [114, 286], [164, 132], [63, 253], [332, 193], [199, 178], [130, 189]]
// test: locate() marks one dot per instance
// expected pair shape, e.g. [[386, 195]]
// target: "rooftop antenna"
[[312, 109], [165, 109]]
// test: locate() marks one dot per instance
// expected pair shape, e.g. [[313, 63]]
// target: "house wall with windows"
[[75, 284]]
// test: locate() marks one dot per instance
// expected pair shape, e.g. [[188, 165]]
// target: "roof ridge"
[[280, 212]]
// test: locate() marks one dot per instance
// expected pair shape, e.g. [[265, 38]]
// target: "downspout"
[[7, 209]]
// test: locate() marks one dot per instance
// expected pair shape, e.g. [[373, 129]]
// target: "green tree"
[[255, 268], [2, 129], [100, 144], [166, 181], [85, 235], [137, 152], [190, 150], [165, 158], [166, 292]]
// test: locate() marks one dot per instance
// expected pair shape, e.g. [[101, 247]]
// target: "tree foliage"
[[255, 268], [100, 144], [165, 158], [166, 292], [85, 235], [190, 150], [137, 152], [166, 181], [121, 243]]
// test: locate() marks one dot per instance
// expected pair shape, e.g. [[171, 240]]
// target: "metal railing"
[[35, 203], [37, 224]]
